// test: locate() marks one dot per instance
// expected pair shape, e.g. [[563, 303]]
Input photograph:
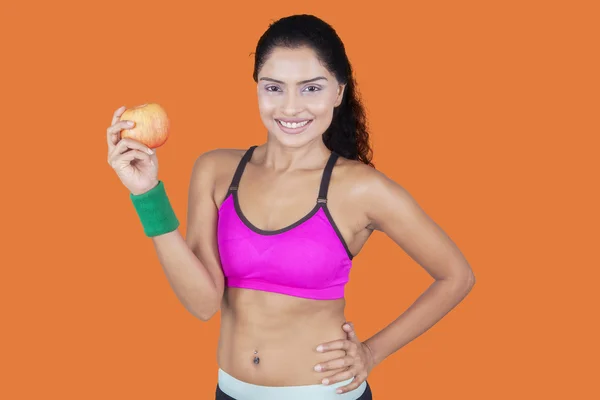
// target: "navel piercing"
[[256, 359]]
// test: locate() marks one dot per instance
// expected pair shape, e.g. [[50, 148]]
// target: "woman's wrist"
[[153, 186], [372, 353], [155, 211]]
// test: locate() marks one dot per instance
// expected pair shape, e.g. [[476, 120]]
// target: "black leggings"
[[220, 395]]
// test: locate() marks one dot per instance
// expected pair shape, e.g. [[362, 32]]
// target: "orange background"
[[487, 113]]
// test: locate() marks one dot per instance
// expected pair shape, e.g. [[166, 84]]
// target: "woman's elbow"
[[206, 315], [209, 309]]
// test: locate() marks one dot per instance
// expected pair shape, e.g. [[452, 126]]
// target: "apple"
[[151, 124]]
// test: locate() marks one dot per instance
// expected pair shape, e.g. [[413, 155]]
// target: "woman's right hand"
[[135, 163]]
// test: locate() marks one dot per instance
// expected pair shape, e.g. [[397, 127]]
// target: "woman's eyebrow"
[[299, 83]]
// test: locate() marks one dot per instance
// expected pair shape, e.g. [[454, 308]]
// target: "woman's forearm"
[[439, 299], [189, 278]]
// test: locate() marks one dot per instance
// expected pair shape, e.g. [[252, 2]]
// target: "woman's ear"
[[340, 95]]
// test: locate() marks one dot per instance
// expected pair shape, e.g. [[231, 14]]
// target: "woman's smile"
[[295, 127]]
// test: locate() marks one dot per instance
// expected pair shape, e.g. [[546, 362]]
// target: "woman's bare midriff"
[[284, 330]]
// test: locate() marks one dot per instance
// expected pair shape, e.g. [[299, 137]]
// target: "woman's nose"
[[292, 104]]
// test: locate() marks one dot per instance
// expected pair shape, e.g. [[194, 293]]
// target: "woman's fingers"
[[339, 377], [117, 114], [112, 133], [340, 344], [345, 361], [123, 160], [112, 136], [133, 155], [125, 145], [349, 329], [356, 382]]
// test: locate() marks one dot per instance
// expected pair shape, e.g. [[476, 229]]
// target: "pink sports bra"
[[308, 258]]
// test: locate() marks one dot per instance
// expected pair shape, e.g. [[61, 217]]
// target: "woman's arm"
[[391, 209], [192, 265]]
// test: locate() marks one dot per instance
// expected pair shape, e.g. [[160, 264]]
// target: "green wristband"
[[155, 211]]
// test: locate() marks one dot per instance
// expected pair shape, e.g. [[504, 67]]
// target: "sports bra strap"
[[240, 168], [326, 178]]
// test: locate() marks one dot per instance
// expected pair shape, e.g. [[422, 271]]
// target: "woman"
[[272, 229]]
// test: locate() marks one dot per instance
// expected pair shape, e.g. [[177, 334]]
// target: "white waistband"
[[240, 390]]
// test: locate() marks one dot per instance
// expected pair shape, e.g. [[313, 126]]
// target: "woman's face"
[[296, 96]]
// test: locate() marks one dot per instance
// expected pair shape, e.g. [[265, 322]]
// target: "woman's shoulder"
[[360, 181], [355, 173], [220, 154], [214, 165], [218, 159]]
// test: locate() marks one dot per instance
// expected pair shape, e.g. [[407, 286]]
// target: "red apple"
[[151, 125]]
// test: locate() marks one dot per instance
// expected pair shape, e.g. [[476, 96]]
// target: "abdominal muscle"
[[284, 330]]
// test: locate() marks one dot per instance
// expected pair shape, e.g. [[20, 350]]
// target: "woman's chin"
[[293, 140]]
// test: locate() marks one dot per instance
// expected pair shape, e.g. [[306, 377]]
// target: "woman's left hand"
[[358, 360]]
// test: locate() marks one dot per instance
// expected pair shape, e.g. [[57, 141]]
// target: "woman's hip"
[[230, 388]]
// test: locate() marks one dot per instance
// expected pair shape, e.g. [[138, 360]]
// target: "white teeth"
[[294, 124]]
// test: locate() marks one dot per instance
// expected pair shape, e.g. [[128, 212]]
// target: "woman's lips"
[[293, 130]]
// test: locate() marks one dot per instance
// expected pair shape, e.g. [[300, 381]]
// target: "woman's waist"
[[241, 389], [270, 367], [300, 337], [270, 354]]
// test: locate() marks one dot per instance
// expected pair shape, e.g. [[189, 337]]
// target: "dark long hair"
[[347, 135]]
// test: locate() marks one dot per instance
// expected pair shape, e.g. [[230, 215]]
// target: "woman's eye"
[[276, 89], [316, 89]]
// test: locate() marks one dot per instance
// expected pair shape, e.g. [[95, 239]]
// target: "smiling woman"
[[303, 73], [292, 125], [281, 99], [302, 274], [273, 229]]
